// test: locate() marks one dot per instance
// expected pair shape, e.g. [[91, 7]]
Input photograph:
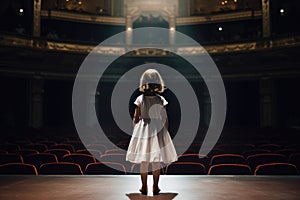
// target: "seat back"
[[10, 158], [276, 169], [38, 159], [186, 168], [258, 159], [227, 159], [59, 153], [60, 168], [230, 169], [81, 159], [104, 168], [18, 168]]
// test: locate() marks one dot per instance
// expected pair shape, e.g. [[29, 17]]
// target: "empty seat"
[[36, 146], [295, 159], [236, 148], [26, 152], [186, 168], [105, 168], [81, 159], [9, 147], [110, 151], [68, 147], [77, 145], [258, 159], [100, 147], [38, 159], [60, 168], [246, 154], [230, 169], [287, 152], [215, 151], [58, 152], [271, 147], [198, 158], [227, 159], [276, 169], [10, 158], [18, 168], [117, 158], [95, 153]]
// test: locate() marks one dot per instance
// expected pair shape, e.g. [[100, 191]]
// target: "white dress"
[[151, 141]]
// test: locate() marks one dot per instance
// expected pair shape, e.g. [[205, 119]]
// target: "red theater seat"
[[104, 168], [68, 147], [198, 158], [186, 168], [10, 158], [81, 159], [258, 159], [60, 168], [230, 169], [38, 159], [276, 169], [18, 168], [59, 153], [36, 146], [227, 159]]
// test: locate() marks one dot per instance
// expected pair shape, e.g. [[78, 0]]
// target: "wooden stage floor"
[[126, 187]]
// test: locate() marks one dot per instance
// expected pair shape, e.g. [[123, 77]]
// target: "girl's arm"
[[137, 114]]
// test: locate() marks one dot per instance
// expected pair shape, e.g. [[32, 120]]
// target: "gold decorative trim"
[[235, 16], [77, 17], [8, 40], [82, 17]]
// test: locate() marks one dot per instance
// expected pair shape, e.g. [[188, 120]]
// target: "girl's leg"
[[155, 173], [144, 174]]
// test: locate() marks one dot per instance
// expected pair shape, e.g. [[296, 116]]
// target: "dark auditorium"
[[150, 99]]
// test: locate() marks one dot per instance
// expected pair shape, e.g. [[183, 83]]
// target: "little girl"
[[150, 142]]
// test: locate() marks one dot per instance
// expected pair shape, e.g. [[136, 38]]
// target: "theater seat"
[[10, 158], [38, 159], [227, 159], [81, 159], [103, 168], [186, 168], [230, 169], [276, 169], [60, 168], [18, 168], [295, 159], [259, 159], [59, 153]]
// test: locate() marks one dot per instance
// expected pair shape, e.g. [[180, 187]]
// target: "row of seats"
[[190, 168], [225, 160]]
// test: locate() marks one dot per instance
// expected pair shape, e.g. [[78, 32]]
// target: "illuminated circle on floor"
[[100, 58]]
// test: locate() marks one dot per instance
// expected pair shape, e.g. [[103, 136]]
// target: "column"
[[37, 18], [35, 99], [267, 103], [172, 26], [266, 32], [129, 25]]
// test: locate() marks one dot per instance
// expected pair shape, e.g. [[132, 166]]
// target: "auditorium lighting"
[[172, 29], [79, 2], [129, 29], [220, 28], [21, 10], [282, 11]]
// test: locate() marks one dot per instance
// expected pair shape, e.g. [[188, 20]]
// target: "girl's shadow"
[[161, 196]]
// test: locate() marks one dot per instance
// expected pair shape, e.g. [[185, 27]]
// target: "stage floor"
[[126, 187]]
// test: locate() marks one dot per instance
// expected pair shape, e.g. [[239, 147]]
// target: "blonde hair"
[[152, 77]]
